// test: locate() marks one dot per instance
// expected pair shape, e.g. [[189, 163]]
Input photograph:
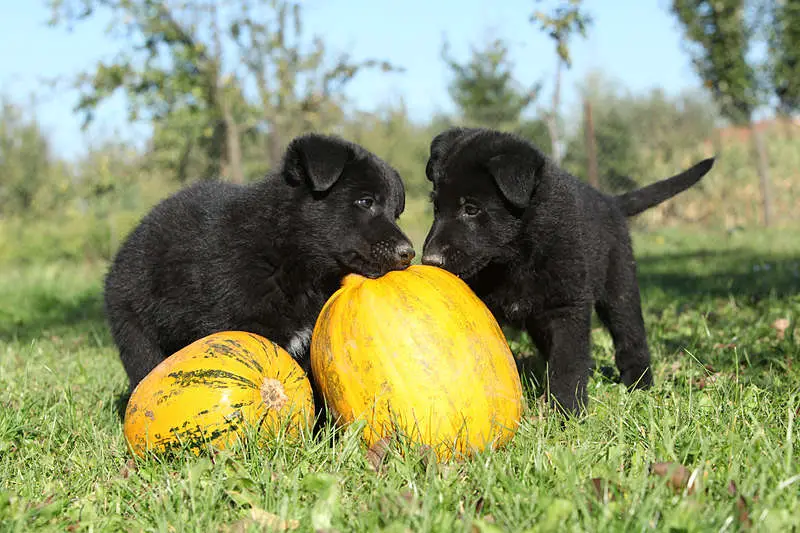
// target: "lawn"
[[713, 447]]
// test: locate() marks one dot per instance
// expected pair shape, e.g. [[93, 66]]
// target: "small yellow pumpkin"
[[210, 391], [416, 351]]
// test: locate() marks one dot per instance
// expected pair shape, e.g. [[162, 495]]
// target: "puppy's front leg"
[[562, 336], [138, 348]]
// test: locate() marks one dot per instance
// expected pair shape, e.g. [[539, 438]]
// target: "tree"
[[296, 90], [636, 132], [25, 159], [180, 71], [664, 126], [561, 24], [484, 89], [720, 38], [390, 132], [168, 68], [613, 137], [784, 52]]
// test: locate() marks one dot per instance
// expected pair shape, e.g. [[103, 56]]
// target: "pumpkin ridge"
[[253, 359], [443, 285], [423, 422], [426, 423], [210, 377], [235, 350]]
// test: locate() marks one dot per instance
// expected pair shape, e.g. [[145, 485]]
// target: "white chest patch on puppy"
[[299, 343]]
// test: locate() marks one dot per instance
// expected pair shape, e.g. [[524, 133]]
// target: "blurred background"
[[110, 105]]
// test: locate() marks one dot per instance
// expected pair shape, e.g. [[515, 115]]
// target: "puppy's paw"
[[608, 374], [637, 378], [569, 405]]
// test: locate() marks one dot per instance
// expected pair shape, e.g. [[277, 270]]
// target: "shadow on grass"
[[688, 278], [702, 274], [42, 314], [121, 403]]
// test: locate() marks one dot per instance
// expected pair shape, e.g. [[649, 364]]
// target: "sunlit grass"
[[721, 311]]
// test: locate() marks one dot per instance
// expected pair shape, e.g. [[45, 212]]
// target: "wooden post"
[[762, 165], [591, 146]]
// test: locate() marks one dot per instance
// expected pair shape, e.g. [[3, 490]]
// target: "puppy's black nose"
[[433, 259], [404, 254]]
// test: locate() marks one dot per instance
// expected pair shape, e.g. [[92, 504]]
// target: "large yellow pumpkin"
[[209, 392], [416, 351]]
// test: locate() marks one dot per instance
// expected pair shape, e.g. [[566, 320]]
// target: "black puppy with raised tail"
[[261, 258], [542, 249]]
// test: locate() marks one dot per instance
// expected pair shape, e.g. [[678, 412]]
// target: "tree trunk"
[[232, 143], [183, 162], [222, 90], [271, 118], [552, 117], [274, 145], [762, 166], [591, 147]]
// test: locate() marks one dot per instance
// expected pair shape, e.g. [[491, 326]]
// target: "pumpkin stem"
[[273, 394]]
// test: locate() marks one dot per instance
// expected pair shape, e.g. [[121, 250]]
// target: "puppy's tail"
[[634, 202]]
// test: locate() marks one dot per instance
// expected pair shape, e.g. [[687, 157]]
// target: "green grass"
[[725, 406]]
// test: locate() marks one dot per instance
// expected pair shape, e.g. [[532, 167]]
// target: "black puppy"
[[261, 258], [542, 248]]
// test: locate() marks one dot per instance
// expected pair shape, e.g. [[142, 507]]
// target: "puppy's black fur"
[[261, 258], [542, 249]]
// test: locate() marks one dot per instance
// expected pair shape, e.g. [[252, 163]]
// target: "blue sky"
[[636, 42]]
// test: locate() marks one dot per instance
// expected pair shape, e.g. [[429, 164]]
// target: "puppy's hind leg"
[[621, 312]]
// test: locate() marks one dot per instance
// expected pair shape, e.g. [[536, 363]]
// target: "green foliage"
[[299, 87], [635, 131], [564, 20], [784, 54], [26, 164], [84, 210], [403, 144], [484, 89], [620, 163], [724, 406], [165, 67], [720, 39], [178, 71], [535, 130], [666, 126]]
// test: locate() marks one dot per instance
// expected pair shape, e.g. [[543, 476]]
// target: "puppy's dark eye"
[[471, 210], [365, 203]]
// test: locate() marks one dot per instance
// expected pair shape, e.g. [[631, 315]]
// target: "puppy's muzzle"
[[433, 259], [403, 254]]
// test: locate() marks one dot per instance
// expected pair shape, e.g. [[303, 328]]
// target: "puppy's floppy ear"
[[319, 159], [441, 144], [515, 175]]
